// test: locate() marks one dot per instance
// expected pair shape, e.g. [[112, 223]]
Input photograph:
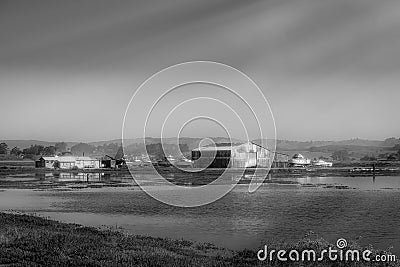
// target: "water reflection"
[[83, 177], [190, 179], [365, 183], [238, 220]]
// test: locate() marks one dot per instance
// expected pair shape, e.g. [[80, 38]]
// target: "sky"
[[330, 69]]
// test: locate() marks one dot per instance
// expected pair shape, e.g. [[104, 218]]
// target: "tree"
[[56, 164], [341, 155], [120, 153], [368, 158], [61, 147], [391, 142], [3, 148], [33, 150], [82, 148], [108, 149], [49, 151], [15, 151], [154, 149], [183, 148]]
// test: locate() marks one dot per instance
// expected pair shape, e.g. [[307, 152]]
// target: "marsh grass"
[[27, 240]]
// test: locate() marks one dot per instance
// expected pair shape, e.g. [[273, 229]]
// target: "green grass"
[[33, 241]]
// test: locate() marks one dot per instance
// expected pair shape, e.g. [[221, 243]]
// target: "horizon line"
[[151, 137]]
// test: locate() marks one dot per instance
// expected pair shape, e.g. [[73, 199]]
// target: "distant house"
[[67, 162]]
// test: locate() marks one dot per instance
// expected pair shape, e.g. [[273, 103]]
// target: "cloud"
[[305, 50]]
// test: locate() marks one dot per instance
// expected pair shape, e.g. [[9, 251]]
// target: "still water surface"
[[276, 212]]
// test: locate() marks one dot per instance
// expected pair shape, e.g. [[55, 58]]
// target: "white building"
[[299, 160], [321, 163], [68, 162]]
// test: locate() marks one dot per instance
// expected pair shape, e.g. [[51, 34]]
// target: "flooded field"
[[282, 209]]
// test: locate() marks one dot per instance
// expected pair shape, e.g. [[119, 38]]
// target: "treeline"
[[345, 155], [87, 149], [166, 149], [33, 150], [79, 149]]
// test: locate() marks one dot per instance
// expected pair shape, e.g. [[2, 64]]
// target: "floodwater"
[[364, 207]]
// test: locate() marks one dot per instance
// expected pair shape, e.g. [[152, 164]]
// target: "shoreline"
[[359, 169], [99, 178], [31, 240]]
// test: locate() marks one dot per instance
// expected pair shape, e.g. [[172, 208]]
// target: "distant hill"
[[190, 141], [27, 143], [356, 148], [295, 145], [391, 142], [332, 148], [136, 145], [287, 145]]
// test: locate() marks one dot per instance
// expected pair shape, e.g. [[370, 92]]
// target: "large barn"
[[247, 155], [68, 162]]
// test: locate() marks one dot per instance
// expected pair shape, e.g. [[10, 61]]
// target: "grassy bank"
[[31, 241]]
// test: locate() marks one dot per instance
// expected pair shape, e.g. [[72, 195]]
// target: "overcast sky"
[[330, 69]]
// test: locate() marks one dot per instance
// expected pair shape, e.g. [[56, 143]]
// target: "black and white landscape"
[[199, 133]]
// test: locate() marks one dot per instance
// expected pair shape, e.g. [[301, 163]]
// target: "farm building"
[[281, 160], [247, 155], [67, 162]]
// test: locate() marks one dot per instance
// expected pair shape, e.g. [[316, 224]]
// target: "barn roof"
[[49, 158], [220, 147], [213, 148], [85, 158], [67, 158]]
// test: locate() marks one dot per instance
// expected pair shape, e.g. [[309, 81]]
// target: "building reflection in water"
[[83, 177]]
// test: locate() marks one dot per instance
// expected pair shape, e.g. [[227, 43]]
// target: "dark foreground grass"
[[33, 241]]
